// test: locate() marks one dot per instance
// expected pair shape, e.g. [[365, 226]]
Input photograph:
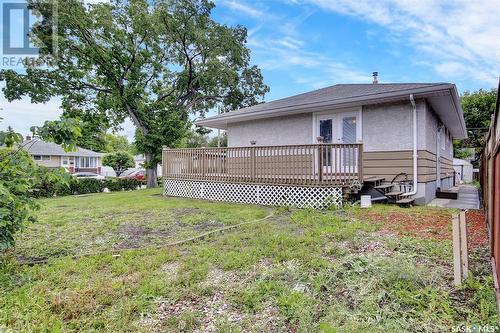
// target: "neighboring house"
[[463, 170], [139, 164], [139, 161], [53, 155], [343, 136]]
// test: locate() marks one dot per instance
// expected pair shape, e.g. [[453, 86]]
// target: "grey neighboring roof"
[[346, 95], [139, 158], [37, 146]]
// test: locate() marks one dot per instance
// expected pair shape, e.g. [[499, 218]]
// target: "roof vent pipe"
[[375, 77]]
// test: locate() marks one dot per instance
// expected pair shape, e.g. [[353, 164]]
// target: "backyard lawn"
[[103, 263]]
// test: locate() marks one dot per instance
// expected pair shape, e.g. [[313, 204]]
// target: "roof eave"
[[221, 121]]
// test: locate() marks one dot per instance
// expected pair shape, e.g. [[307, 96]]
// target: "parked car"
[[137, 174], [88, 175]]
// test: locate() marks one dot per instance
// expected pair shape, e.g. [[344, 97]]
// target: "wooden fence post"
[[460, 251], [463, 245]]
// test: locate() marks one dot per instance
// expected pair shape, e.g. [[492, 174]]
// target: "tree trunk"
[[151, 172]]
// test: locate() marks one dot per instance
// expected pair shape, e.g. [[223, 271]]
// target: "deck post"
[[360, 163], [252, 163], [203, 157], [164, 162], [320, 163]]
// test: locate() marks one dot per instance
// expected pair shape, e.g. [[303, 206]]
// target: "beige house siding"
[[388, 164], [55, 162]]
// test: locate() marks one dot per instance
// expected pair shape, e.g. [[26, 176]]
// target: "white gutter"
[[415, 151]]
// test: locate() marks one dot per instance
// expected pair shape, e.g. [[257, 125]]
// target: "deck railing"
[[304, 165]]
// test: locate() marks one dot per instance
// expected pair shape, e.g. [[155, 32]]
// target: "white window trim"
[[357, 111]]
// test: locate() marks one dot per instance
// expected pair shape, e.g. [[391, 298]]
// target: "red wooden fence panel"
[[490, 184]]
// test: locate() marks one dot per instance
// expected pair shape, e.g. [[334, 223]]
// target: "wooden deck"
[[301, 165]]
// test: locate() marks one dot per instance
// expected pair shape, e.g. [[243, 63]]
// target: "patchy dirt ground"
[[476, 229], [434, 225]]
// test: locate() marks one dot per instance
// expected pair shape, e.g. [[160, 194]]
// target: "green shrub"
[[87, 185], [57, 182], [51, 182], [16, 182], [122, 184]]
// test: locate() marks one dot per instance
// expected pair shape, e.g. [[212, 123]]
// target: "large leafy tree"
[[119, 161], [478, 106], [154, 62], [114, 143], [93, 125]]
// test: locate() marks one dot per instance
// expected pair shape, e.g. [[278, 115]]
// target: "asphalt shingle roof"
[[338, 92], [37, 146]]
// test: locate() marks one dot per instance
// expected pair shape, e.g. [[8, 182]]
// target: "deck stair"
[[389, 191]]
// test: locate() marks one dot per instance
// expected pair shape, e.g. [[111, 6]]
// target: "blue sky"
[[302, 45]]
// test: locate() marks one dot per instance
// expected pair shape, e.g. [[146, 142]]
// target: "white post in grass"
[[460, 251], [457, 266], [463, 242]]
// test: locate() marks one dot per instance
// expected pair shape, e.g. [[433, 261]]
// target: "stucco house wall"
[[290, 130], [388, 127]]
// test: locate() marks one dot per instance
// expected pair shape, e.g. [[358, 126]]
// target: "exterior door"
[[348, 130], [340, 128], [326, 131]]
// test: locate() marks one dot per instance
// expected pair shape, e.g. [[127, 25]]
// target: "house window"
[[325, 130], [41, 157], [86, 162]]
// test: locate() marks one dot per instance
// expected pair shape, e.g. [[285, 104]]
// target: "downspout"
[[438, 156], [415, 151]]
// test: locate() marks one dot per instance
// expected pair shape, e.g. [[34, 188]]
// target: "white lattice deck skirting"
[[261, 194]]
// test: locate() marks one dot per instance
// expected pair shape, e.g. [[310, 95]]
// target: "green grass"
[[301, 270], [90, 223]]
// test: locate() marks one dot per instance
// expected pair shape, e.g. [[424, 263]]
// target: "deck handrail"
[[306, 165]]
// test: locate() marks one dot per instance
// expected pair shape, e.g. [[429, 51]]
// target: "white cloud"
[[449, 34], [242, 7], [312, 69], [290, 42]]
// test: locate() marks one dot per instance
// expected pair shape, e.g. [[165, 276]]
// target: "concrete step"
[[393, 194], [406, 201], [373, 179], [384, 186]]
